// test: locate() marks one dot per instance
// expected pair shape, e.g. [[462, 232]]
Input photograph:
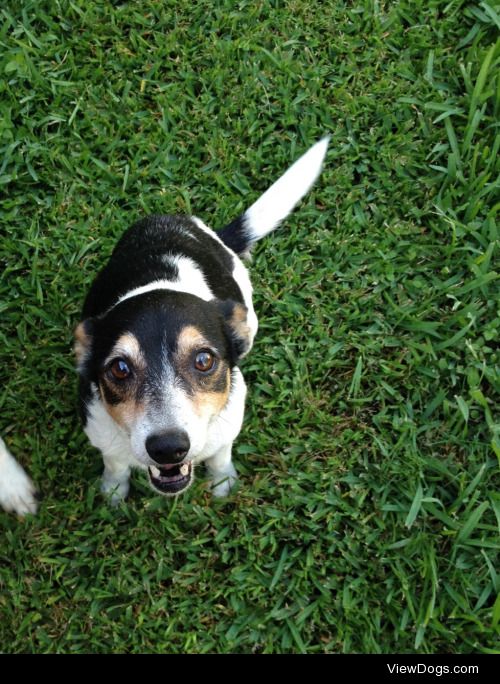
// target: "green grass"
[[367, 514]]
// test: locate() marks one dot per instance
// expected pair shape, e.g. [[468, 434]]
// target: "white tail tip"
[[280, 199]]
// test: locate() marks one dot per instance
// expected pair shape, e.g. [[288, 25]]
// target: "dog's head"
[[161, 363]]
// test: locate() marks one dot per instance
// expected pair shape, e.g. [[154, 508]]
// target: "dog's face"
[[161, 363]]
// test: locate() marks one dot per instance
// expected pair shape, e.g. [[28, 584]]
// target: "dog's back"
[[171, 252]]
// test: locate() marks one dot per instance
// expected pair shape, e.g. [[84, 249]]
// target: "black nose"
[[168, 447]]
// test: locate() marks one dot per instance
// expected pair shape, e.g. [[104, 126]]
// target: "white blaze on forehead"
[[190, 280]]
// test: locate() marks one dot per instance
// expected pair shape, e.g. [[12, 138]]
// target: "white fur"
[[242, 278], [190, 280], [222, 472], [277, 202], [122, 451], [114, 444], [17, 492]]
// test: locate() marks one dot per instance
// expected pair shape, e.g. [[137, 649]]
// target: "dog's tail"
[[277, 202]]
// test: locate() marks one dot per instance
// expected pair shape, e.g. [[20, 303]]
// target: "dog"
[[17, 492], [164, 327]]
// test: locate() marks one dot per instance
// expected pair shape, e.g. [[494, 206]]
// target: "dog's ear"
[[83, 341], [237, 329]]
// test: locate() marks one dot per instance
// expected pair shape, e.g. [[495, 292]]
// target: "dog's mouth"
[[172, 478]]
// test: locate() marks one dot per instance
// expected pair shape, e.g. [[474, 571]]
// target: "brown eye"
[[204, 361], [120, 370]]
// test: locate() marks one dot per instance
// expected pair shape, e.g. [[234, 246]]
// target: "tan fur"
[[206, 402], [128, 346], [238, 322], [125, 413], [210, 404], [239, 314], [82, 342], [189, 339]]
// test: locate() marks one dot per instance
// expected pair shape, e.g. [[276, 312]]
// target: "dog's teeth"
[[184, 469], [154, 471]]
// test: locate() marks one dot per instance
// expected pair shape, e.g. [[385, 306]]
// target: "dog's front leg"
[[222, 472], [115, 479], [113, 443]]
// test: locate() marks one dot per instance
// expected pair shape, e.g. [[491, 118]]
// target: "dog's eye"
[[120, 370], [204, 361]]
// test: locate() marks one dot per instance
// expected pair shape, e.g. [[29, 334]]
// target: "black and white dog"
[[164, 326], [17, 492]]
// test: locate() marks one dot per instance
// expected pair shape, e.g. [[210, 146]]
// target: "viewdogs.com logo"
[[437, 670]]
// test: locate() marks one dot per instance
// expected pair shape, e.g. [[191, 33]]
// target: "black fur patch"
[[111, 396], [235, 235], [147, 253]]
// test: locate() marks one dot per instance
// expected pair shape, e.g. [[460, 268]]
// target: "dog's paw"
[[222, 484], [17, 491], [115, 490]]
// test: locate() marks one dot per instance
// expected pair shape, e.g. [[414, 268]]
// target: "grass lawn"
[[367, 514]]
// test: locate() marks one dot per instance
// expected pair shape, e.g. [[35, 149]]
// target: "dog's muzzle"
[[172, 472]]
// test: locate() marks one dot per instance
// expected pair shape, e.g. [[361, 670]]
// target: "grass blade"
[[415, 507], [471, 523]]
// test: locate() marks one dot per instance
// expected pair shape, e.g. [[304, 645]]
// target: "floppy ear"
[[83, 342], [237, 329]]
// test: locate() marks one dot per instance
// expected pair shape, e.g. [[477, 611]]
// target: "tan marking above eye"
[[195, 352], [189, 339], [127, 346]]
